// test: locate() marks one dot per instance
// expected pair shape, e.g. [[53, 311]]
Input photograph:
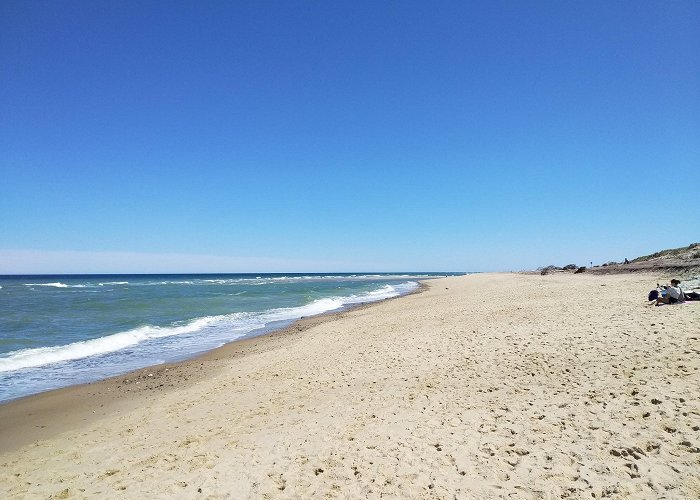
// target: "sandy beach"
[[481, 386]]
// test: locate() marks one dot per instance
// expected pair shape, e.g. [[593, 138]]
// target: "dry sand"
[[484, 386]]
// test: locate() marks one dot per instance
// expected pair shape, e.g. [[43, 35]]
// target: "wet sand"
[[483, 386]]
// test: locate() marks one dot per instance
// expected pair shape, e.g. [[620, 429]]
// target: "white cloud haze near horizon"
[[506, 258], [87, 262]]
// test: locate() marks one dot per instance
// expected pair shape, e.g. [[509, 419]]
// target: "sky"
[[301, 136]]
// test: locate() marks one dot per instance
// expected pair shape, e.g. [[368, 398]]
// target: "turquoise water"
[[62, 330]]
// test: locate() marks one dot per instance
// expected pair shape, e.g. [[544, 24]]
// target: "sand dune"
[[483, 386]]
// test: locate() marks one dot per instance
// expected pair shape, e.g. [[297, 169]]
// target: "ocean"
[[62, 330]]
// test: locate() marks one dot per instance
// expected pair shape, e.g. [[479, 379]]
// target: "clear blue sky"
[[347, 136]]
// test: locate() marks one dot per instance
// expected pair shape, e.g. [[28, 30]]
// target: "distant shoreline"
[[31, 417]]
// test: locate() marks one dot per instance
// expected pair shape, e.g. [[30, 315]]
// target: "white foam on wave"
[[64, 285], [328, 304], [239, 323], [56, 285], [314, 308], [385, 292], [158, 283], [29, 358], [267, 280]]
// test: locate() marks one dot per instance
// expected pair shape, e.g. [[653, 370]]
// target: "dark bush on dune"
[[548, 269]]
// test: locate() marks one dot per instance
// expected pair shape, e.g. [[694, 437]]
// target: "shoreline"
[[42, 415], [484, 386]]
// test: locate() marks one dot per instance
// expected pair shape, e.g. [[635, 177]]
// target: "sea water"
[[62, 330]]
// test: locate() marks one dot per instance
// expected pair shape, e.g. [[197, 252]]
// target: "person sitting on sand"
[[673, 295]]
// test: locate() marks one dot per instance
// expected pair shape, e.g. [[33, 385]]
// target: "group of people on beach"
[[672, 294]]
